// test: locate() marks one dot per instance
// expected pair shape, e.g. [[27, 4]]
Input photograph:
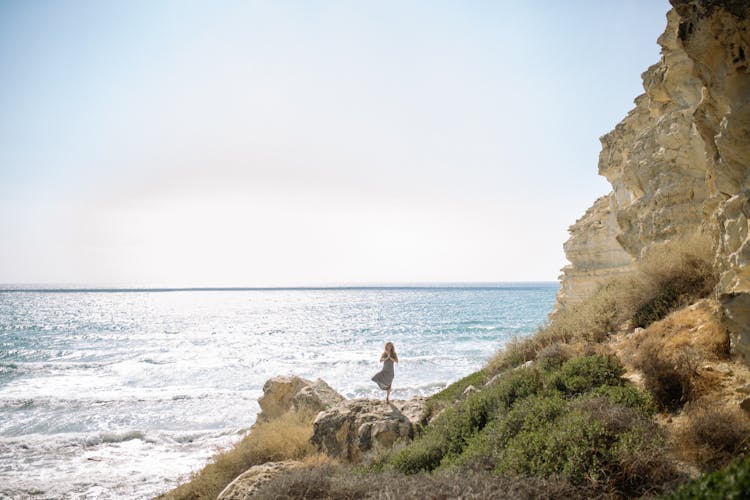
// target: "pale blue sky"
[[183, 143]]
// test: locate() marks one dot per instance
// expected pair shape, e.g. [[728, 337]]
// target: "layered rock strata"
[[679, 162]]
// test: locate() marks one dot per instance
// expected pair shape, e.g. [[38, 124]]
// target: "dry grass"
[[670, 352], [671, 275], [284, 438], [697, 328], [713, 435]]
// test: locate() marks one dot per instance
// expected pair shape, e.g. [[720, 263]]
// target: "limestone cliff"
[[679, 162]]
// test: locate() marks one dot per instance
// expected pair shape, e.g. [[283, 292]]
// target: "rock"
[[356, 428], [316, 397], [594, 253], [277, 395], [470, 389], [282, 393], [494, 379], [247, 483]]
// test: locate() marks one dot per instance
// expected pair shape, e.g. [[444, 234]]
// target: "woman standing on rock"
[[384, 378]]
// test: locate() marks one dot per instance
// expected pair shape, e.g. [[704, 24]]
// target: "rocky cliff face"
[[679, 162]]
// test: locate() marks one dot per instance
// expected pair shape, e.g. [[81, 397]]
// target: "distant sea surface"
[[120, 394]]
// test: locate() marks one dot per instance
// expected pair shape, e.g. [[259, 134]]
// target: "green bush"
[[730, 483], [455, 391], [587, 372], [342, 483], [453, 428], [628, 396], [579, 421]]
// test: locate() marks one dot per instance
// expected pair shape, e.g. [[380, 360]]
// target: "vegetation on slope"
[[579, 420]]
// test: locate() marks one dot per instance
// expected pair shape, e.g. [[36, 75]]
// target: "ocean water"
[[112, 394]]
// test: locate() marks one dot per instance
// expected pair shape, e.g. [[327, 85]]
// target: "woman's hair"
[[393, 352]]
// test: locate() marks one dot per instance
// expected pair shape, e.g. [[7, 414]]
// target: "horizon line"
[[343, 286]]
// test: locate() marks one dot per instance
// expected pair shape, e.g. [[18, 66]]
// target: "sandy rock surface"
[[356, 428]]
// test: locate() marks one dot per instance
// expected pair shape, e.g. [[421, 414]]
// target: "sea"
[[125, 393]]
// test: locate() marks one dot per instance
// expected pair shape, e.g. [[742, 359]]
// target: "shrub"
[[628, 396], [287, 437], [656, 308], [672, 382], [674, 274], [586, 372], [730, 483], [514, 353], [593, 441], [553, 356], [579, 420], [714, 435], [454, 392], [344, 484], [453, 428]]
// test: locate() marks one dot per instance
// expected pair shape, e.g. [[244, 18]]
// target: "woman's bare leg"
[[388, 395]]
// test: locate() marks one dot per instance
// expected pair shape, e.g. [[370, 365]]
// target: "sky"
[[253, 143]]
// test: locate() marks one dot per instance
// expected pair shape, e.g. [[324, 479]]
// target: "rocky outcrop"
[[716, 36], [282, 394], [357, 428], [679, 162], [247, 483], [594, 253]]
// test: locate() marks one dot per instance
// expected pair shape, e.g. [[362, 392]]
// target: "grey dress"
[[384, 377]]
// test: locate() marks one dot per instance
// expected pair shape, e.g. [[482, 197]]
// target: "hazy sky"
[[181, 143]]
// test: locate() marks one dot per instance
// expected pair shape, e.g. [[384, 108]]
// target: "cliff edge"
[[679, 164]]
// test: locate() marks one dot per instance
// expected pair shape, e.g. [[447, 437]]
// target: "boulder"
[[356, 428], [247, 483], [284, 393], [316, 397]]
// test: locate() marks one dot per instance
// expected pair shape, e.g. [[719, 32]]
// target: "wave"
[[116, 437]]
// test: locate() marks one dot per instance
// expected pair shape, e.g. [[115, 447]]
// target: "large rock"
[[247, 483], [357, 428], [284, 393], [679, 163]]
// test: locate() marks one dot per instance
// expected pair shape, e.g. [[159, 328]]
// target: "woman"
[[384, 377]]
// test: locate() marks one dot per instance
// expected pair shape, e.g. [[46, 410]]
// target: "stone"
[[355, 429], [494, 379], [246, 484], [277, 395], [469, 390], [316, 397], [284, 393]]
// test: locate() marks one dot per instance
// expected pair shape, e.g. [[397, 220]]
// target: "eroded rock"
[[356, 428], [284, 393], [248, 482]]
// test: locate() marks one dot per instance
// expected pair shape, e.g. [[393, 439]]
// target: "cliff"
[[679, 164]]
